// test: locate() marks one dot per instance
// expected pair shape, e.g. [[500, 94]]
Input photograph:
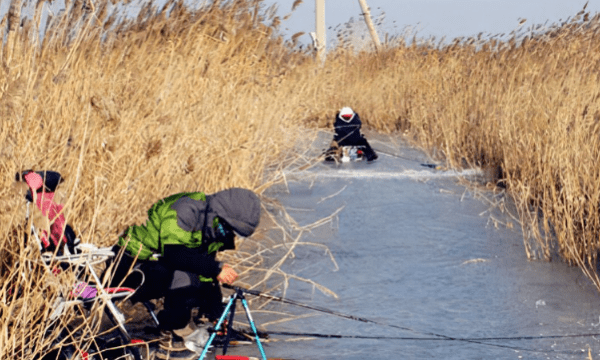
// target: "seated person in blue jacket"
[[176, 251], [347, 133]]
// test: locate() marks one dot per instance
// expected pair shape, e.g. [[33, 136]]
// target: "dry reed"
[[130, 112], [136, 110]]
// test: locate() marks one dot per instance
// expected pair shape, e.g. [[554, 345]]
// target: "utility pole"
[[320, 39], [370, 26]]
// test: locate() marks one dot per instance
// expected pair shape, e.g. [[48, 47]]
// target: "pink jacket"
[[53, 211]]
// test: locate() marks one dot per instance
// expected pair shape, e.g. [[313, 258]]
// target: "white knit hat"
[[346, 114]]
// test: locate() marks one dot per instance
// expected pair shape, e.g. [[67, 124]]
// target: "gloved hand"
[[227, 275]]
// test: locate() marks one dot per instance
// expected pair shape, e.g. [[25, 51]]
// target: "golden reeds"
[[133, 111], [129, 113]]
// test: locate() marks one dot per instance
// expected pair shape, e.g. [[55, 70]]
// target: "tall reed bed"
[[130, 112], [171, 101]]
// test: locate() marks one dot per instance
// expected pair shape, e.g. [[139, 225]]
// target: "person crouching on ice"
[[176, 251], [347, 133]]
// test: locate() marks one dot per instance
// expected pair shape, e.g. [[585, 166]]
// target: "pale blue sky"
[[450, 18]]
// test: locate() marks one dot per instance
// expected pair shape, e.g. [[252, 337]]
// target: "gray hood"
[[239, 207]]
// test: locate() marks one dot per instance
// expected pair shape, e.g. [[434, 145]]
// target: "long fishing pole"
[[318, 308], [424, 164], [473, 340], [436, 337], [377, 337]]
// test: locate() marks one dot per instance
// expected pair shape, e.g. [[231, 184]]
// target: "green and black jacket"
[[180, 229]]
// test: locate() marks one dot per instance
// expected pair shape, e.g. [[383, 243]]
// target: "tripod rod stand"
[[230, 310]]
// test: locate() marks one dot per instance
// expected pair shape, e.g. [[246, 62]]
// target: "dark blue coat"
[[347, 133]]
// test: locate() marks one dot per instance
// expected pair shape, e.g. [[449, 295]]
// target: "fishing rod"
[[376, 337], [433, 336], [331, 312], [315, 308], [473, 340], [427, 165]]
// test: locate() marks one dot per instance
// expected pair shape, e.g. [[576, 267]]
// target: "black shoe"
[[372, 157]]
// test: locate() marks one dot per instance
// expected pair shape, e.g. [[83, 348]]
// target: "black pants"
[[359, 141], [181, 290], [179, 301]]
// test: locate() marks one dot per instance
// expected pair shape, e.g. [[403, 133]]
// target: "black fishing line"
[[435, 336]]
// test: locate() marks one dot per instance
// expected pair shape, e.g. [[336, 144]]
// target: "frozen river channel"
[[422, 256]]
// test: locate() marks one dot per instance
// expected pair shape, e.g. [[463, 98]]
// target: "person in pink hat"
[[41, 191]]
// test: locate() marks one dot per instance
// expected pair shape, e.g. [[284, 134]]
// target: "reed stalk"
[[130, 112]]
